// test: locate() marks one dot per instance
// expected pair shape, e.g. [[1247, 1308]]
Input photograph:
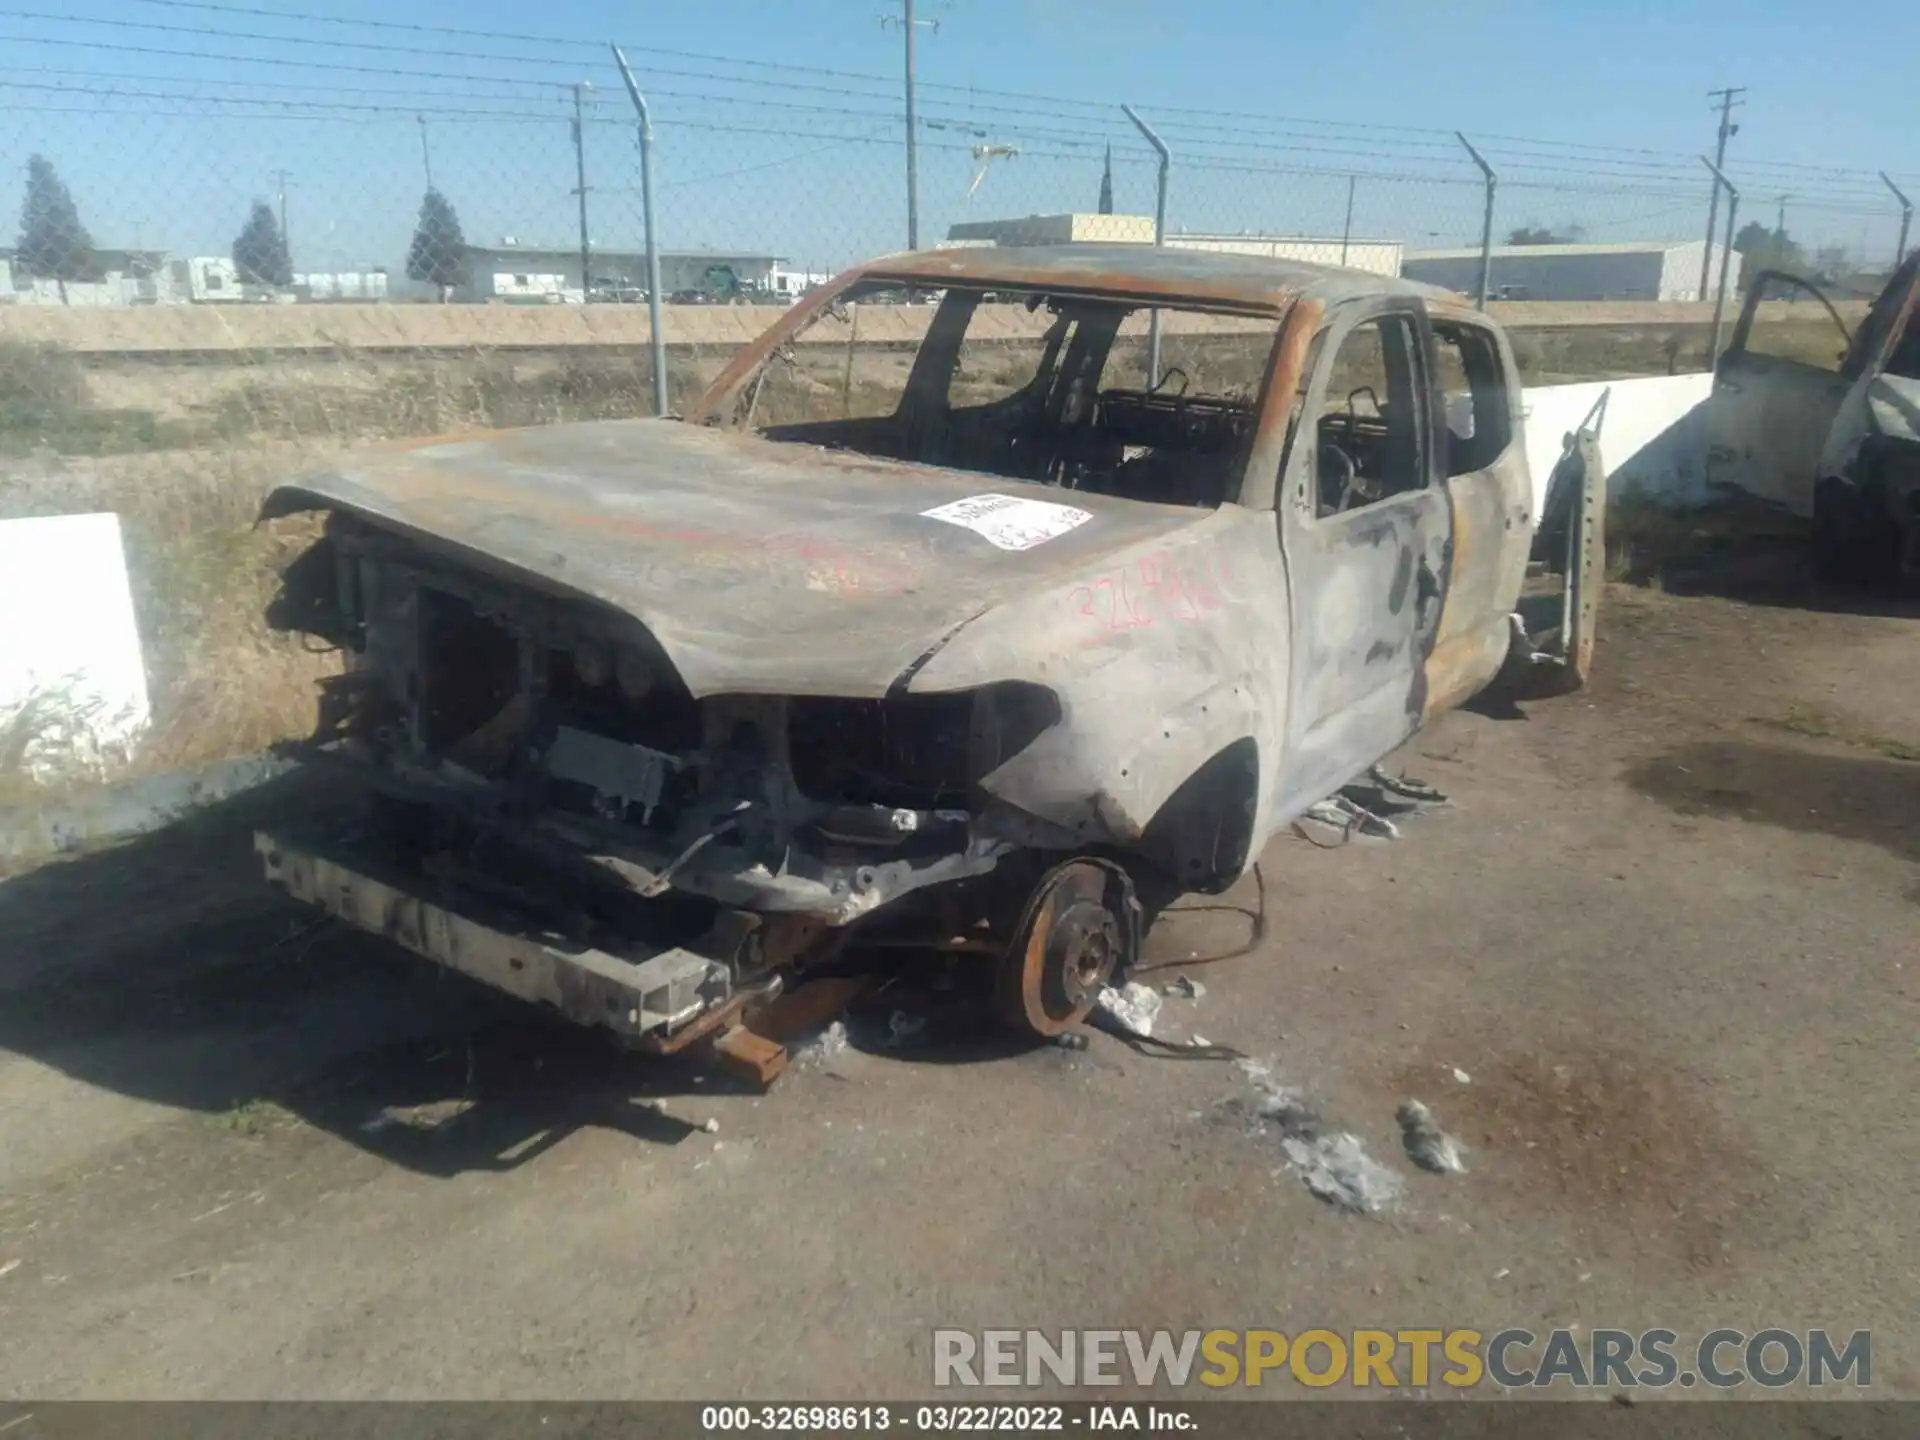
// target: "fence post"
[[1346, 231], [580, 170], [656, 334], [1726, 259], [1486, 218], [1159, 237], [1906, 218]]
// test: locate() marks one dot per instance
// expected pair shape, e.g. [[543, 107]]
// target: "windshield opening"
[[1050, 389]]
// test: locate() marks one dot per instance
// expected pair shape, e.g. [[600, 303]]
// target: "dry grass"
[[49, 722], [220, 684], [185, 454]]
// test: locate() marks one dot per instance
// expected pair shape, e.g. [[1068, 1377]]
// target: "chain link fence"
[[247, 242]]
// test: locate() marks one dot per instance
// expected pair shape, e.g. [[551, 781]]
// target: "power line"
[[115, 92], [1613, 156], [876, 137], [1441, 137], [414, 93], [374, 45], [1530, 161], [335, 66], [1534, 176]]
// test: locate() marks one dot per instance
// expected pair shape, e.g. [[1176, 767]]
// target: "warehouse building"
[[1630, 270], [1380, 257], [551, 274]]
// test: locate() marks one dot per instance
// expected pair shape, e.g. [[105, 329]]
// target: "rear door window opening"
[[1051, 389]]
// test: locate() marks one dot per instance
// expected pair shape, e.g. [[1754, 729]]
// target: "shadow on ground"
[[1771, 569], [167, 970], [1850, 797]]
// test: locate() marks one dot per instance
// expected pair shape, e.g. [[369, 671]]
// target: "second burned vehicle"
[[1827, 425], [973, 626]]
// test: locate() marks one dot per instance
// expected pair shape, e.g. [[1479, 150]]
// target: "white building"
[[118, 277], [205, 279], [1376, 257], [790, 285], [551, 273], [360, 285], [1630, 270], [1379, 257], [1075, 229]]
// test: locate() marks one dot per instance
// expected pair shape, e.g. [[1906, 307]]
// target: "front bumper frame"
[[644, 995]]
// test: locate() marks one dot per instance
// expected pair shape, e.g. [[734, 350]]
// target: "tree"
[[438, 255], [53, 243], [1765, 249], [1570, 233], [260, 251]]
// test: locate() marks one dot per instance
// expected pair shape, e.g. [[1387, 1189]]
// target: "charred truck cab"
[[983, 627], [1827, 424]]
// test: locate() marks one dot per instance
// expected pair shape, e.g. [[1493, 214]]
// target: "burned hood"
[[758, 565]]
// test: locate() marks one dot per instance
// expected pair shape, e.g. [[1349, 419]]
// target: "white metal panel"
[[69, 644]]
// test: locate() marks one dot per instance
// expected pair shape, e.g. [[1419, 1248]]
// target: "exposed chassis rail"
[[643, 999]]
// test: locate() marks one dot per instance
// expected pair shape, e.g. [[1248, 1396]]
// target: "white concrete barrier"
[[1652, 437], [73, 686]]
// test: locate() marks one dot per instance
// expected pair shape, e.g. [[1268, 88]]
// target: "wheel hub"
[[1074, 934]]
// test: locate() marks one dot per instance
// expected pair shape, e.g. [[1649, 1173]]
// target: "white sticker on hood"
[[1009, 521]]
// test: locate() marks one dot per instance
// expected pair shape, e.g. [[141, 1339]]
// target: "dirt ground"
[[1666, 929]]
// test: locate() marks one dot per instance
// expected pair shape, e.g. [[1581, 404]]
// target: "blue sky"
[[778, 123]]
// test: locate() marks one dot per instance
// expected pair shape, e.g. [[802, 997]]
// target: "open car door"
[[1559, 612], [1775, 396]]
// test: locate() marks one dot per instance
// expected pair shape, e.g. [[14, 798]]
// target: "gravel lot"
[[1667, 929]]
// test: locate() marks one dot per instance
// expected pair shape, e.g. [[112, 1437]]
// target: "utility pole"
[[426, 155], [1780, 217], [908, 25], [1726, 258], [580, 174], [1728, 98]]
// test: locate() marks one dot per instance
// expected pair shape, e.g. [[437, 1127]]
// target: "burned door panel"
[[1774, 399], [1866, 509], [1368, 540], [1490, 497]]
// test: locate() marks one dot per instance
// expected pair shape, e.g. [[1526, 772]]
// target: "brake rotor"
[[1078, 930]]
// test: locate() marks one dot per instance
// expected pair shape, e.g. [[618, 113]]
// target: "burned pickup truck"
[[1827, 425], [979, 626]]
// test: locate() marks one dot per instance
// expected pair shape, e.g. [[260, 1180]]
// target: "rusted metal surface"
[[714, 1021], [1587, 563], [756, 565], [806, 1007], [1247, 284], [1081, 927], [750, 1055], [1492, 531], [631, 998], [852, 689], [1255, 282]]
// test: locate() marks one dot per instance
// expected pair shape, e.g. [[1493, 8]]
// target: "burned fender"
[[1111, 767], [1162, 661]]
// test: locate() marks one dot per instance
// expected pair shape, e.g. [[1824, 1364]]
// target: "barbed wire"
[[758, 155]]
